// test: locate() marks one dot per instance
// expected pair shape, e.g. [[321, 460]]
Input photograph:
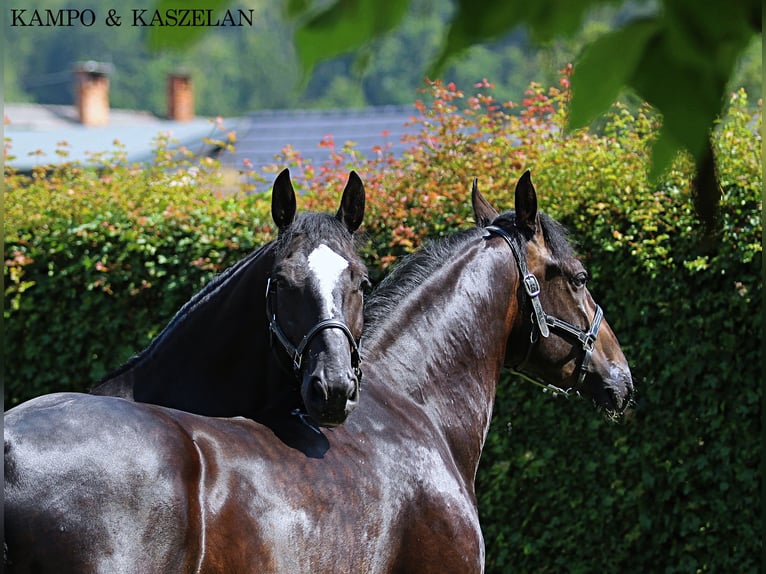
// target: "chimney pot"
[[180, 97], [92, 92]]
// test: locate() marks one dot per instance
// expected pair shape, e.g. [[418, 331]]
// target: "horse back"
[[98, 484]]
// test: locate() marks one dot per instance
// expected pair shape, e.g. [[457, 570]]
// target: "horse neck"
[[442, 348], [203, 361]]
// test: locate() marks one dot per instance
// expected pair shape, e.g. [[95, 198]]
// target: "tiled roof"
[[261, 135]]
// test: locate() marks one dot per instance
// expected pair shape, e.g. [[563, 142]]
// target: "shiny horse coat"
[[98, 484]]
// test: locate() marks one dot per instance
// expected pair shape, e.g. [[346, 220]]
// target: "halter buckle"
[[531, 285]]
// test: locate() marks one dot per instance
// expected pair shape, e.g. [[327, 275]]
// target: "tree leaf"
[[664, 149], [475, 22], [179, 37], [297, 8], [688, 96], [558, 18], [604, 69], [481, 21], [345, 25]]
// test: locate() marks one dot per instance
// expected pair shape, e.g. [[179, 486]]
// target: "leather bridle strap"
[[587, 339], [296, 352], [544, 323], [530, 282]]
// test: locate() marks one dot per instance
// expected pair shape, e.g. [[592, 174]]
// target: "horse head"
[[314, 299], [562, 340]]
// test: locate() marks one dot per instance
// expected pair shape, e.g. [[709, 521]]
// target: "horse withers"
[[97, 484], [275, 333]]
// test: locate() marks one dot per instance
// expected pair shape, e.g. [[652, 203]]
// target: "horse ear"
[[351, 210], [526, 204], [483, 212], [283, 200]]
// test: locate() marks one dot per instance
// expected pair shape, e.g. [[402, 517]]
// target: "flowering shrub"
[[98, 261]]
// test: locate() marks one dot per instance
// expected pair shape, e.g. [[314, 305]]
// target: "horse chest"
[[397, 512]]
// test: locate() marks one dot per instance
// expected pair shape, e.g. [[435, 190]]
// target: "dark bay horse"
[[276, 331], [97, 484]]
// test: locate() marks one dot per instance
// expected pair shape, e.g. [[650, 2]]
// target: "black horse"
[[96, 484], [276, 331]]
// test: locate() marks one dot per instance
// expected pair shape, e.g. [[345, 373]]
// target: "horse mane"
[[199, 298], [416, 267], [408, 273]]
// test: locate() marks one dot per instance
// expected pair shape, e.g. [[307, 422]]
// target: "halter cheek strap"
[[296, 352], [543, 323]]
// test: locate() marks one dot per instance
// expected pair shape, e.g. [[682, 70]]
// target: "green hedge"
[[98, 261]]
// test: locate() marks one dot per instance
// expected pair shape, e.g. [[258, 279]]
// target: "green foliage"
[[692, 47], [342, 27], [97, 262]]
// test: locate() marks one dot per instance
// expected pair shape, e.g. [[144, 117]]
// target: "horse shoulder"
[[441, 534], [437, 520]]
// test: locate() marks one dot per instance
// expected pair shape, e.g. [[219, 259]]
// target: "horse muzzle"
[[330, 393], [614, 390]]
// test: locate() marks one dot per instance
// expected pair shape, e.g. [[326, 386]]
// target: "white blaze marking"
[[326, 266]]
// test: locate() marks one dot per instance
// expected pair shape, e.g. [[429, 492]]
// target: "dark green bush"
[[675, 487], [97, 262]]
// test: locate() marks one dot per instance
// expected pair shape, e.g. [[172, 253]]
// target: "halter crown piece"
[[543, 323], [296, 352]]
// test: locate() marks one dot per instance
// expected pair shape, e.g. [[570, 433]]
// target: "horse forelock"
[[310, 229], [556, 236]]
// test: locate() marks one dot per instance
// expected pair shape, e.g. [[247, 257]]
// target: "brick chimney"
[[180, 97], [92, 92]]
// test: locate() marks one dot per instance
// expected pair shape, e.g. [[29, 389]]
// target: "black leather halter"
[[542, 323], [296, 352]]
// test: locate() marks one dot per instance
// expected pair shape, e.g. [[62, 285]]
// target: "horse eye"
[[580, 279], [365, 286], [280, 282]]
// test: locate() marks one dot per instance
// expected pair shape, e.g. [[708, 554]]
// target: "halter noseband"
[[296, 352], [543, 323]]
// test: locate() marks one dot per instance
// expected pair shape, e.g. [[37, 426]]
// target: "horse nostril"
[[353, 383], [353, 392], [318, 389]]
